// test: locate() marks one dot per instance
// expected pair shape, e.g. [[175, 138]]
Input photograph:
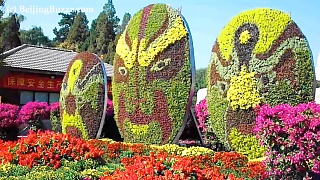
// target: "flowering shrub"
[[292, 137], [55, 117], [202, 114], [152, 76], [33, 113], [260, 57], [204, 126], [47, 149], [9, 115]]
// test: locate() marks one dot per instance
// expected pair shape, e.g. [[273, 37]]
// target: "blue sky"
[[206, 18]]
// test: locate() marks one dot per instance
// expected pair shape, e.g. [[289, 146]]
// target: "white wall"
[[201, 94]]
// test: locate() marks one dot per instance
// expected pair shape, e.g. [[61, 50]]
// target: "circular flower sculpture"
[[82, 97], [153, 76], [260, 57]]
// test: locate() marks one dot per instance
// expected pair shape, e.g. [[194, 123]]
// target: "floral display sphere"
[[260, 57], [83, 97], [153, 77]]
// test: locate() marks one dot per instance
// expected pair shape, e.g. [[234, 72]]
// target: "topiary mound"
[[83, 97], [153, 76], [260, 57]]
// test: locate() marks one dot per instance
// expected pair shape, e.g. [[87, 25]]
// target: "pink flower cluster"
[[109, 107], [33, 111], [9, 115], [292, 137], [202, 114], [54, 106]]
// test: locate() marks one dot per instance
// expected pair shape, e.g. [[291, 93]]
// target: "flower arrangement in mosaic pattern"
[[82, 96], [261, 56], [152, 76]]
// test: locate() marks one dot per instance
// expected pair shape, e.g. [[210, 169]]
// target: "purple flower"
[[202, 114], [33, 111], [291, 136], [54, 106], [9, 115]]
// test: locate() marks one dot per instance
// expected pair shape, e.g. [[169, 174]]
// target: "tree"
[[79, 30], [102, 37], [108, 58], [10, 35], [65, 23], [35, 36], [201, 79], [107, 24], [70, 46], [91, 42], [112, 19], [125, 21], [1, 31]]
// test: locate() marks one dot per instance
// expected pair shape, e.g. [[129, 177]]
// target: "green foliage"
[[305, 75], [102, 37], [90, 43], [112, 19], [132, 30], [201, 80], [217, 110], [65, 23], [10, 36], [246, 144], [155, 22], [55, 121], [125, 21], [280, 91], [35, 36], [108, 58], [79, 30]]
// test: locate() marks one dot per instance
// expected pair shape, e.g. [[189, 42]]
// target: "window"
[[54, 97], [41, 96], [26, 96]]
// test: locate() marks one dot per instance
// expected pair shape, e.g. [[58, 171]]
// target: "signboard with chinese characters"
[[31, 82]]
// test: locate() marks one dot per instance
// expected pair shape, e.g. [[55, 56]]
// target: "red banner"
[[31, 82], [36, 83]]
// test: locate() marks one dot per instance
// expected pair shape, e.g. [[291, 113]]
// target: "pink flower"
[[9, 115], [33, 111]]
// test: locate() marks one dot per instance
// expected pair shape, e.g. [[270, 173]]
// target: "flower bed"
[[47, 155]]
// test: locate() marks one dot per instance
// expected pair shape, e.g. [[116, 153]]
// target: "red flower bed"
[[137, 161], [48, 149], [223, 165]]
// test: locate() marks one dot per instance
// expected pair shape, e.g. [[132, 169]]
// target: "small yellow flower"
[[73, 74], [245, 37], [243, 92]]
